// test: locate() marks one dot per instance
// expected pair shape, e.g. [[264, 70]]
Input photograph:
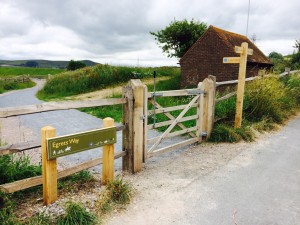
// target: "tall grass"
[[95, 78], [8, 85], [266, 101]]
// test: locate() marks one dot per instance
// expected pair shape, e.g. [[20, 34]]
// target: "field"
[[17, 71]]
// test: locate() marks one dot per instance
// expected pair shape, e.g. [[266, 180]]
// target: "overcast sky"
[[117, 31]]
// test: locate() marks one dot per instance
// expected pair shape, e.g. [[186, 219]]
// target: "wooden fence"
[[135, 149]]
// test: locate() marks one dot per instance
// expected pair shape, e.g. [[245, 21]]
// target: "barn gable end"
[[206, 55]]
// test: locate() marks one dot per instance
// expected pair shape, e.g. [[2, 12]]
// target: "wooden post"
[[108, 155], [128, 131], [49, 168], [200, 114], [208, 86], [241, 86], [145, 134], [133, 118]]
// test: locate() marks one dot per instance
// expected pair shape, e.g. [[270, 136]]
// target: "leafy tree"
[[276, 56], [179, 36], [297, 45], [74, 65], [31, 64]]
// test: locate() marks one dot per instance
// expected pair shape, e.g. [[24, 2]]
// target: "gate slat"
[[174, 134], [170, 116], [165, 123], [171, 147], [168, 109]]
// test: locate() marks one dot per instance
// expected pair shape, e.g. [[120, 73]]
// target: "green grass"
[[14, 168], [11, 85], [17, 71], [116, 194], [76, 214], [267, 102], [95, 78]]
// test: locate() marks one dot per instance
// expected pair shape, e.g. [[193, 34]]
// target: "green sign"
[[70, 144]]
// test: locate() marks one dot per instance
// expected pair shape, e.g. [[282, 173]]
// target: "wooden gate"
[[202, 98]]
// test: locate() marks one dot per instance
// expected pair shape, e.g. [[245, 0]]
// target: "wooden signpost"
[[54, 147], [242, 60]]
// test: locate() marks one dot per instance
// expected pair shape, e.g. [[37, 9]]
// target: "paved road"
[[260, 186]]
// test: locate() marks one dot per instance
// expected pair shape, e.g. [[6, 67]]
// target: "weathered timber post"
[[133, 118], [209, 87], [108, 155], [243, 50], [200, 114], [49, 168], [241, 86]]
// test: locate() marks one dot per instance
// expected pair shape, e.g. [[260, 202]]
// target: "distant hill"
[[42, 63]]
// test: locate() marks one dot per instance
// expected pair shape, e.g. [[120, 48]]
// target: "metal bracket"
[[156, 94], [196, 92]]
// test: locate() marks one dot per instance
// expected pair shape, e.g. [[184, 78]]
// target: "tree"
[[297, 45], [31, 64], [179, 36], [74, 65], [276, 56]]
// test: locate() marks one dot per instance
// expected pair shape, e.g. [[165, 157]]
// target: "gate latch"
[[196, 92]]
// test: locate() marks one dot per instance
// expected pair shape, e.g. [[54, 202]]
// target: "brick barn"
[[205, 58]]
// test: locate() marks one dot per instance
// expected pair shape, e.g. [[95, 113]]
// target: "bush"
[[17, 168]]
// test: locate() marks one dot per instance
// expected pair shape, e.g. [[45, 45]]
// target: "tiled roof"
[[232, 39]]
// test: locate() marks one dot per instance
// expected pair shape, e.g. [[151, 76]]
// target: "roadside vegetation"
[[96, 78], [267, 103], [15, 167], [18, 71], [9, 85], [11, 77]]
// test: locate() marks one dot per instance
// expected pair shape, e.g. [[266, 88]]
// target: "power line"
[[248, 19]]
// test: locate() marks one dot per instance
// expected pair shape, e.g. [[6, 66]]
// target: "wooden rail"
[[52, 106], [173, 93], [38, 180], [20, 147]]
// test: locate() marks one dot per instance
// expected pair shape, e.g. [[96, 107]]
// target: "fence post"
[[108, 156], [49, 168], [209, 87], [133, 118]]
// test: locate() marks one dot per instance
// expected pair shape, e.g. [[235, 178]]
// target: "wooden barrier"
[[108, 156], [49, 170], [133, 118]]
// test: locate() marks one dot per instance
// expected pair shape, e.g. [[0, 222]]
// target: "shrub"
[[16, 168]]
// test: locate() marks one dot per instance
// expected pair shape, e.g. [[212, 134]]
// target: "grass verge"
[[8, 85], [95, 78]]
